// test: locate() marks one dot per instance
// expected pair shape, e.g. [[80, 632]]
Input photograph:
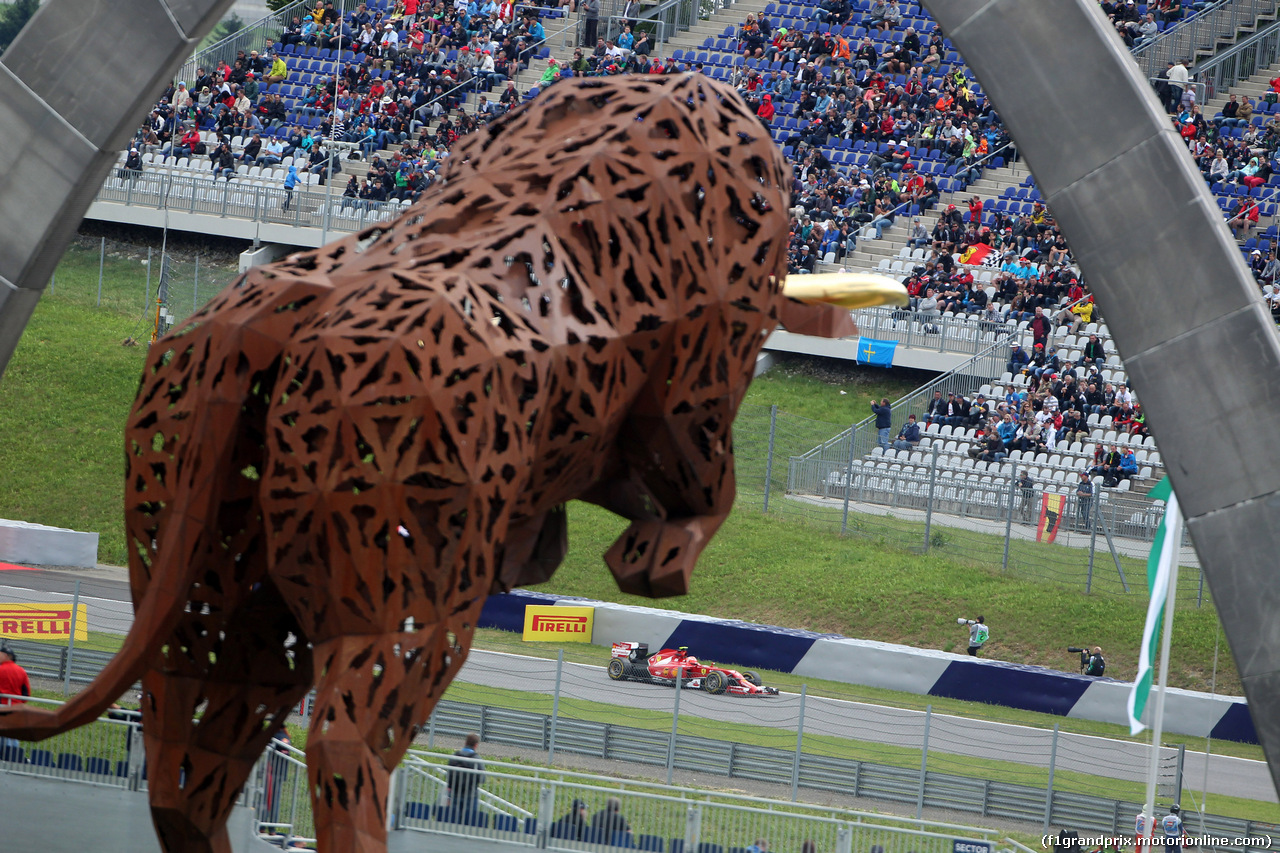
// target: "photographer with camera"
[[978, 633], [1091, 660]]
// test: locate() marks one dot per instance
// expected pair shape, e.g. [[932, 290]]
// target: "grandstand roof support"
[[73, 87], [1185, 312]]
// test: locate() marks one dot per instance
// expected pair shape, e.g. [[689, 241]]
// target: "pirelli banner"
[[42, 622], [549, 623]]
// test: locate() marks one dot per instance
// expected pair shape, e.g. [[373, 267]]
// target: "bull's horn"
[[849, 290]]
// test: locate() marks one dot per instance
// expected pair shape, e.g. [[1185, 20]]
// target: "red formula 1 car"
[[632, 662]]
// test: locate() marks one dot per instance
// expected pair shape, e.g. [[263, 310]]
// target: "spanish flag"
[[1050, 517], [975, 253]]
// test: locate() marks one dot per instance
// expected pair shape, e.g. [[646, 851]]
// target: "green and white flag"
[[1164, 552]]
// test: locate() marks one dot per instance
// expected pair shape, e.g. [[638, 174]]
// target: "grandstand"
[[990, 190], [718, 54]]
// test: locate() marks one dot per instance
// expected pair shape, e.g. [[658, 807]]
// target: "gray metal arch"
[[1186, 315], [73, 87]]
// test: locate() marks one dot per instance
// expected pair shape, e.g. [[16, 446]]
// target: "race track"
[[110, 611]]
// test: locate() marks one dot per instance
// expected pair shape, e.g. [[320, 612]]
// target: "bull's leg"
[[655, 557], [197, 766], [678, 489], [374, 690]]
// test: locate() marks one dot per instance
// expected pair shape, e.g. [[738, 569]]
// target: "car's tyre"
[[617, 669], [715, 682], [753, 677]]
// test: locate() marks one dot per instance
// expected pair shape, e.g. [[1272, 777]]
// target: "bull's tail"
[[154, 621]]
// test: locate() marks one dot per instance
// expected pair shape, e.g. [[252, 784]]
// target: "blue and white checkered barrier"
[[923, 671]]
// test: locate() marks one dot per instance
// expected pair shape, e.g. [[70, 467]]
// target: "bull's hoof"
[[655, 558]]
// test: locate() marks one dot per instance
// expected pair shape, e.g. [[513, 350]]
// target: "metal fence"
[[958, 333], [832, 749], [536, 808], [1249, 56], [834, 775], [106, 752], [256, 36], [197, 193], [168, 286], [974, 512], [1202, 32], [963, 380]]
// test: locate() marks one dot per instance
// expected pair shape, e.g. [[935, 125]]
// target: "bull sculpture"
[[334, 462]]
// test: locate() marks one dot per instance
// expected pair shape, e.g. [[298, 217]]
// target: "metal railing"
[[907, 327], [507, 809], [278, 791], [106, 752], [955, 490], [672, 17], [201, 194], [657, 28], [256, 36], [1242, 60], [1202, 32], [944, 332], [535, 808]]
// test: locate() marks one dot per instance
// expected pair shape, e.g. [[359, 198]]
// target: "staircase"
[[870, 252], [1205, 34], [1253, 88]]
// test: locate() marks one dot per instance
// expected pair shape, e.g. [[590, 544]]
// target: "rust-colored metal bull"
[[356, 445]]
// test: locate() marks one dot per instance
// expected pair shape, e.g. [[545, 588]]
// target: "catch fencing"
[[832, 775], [819, 747], [536, 808], [935, 498], [515, 803]]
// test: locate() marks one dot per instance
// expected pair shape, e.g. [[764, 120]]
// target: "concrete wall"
[[923, 671], [23, 542], [847, 348]]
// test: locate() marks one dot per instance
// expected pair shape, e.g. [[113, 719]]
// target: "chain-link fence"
[[830, 747], [939, 497], [161, 288], [183, 286]]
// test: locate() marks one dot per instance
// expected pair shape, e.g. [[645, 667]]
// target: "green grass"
[[780, 572], [794, 389], [99, 641], [64, 398], [70, 385]]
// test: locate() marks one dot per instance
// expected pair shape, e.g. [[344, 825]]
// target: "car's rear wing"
[[631, 651]]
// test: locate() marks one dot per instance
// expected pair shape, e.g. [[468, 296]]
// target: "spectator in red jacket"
[[1244, 217], [1040, 326], [13, 678], [766, 110]]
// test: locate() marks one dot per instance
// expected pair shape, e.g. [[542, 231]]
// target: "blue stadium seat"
[[98, 766], [70, 761], [417, 811], [41, 758]]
